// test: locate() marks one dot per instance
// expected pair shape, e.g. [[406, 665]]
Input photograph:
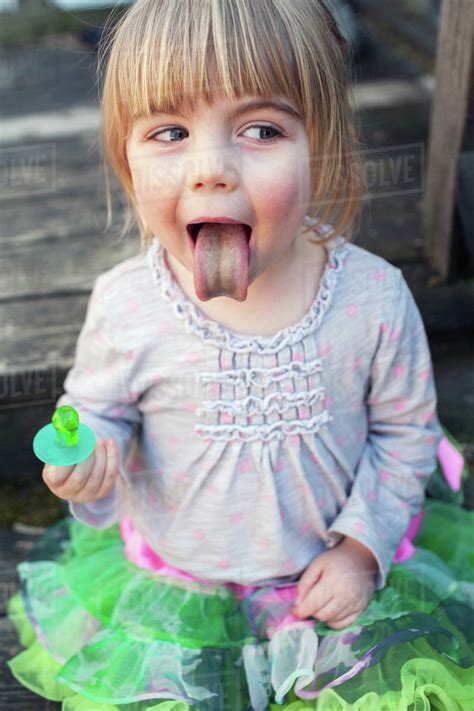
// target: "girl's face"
[[229, 159]]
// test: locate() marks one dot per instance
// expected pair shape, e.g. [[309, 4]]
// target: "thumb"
[[309, 578]]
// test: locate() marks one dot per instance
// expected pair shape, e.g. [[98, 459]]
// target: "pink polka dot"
[[395, 335], [340, 440], [372, 496], [267, 498], [356, 363], [383, 475], [378, 275], [274, 361], [263, 543], [279, 466], [214, 389], [304, 412], [359, 527], [172, 507], [359, 437], [164, 327], [173, 440], [352, 310], [383, 327], [298, 358], [400, 406], [189, 407], [431, 439], [199, 535], [398, 371], [134, 466], [427, 416], [151, 498], [213, 489], [223, 563], [372, 402], [395, 454], [404, 504], [236, 517], [225, 363], [244, 466], [194, 358], [133, 305], [420, 475], [180, 476], [117, 412], [89, 370], [290, 388], [327, 402], [324, 350], [322, 502], [131, 354], [425, 374], [294, 440], [306, 529], [226, 418], [157, 379]]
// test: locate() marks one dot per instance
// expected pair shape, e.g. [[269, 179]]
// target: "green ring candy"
[[64, 442]]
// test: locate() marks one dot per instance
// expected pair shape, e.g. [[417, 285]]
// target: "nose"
[[212, 170]]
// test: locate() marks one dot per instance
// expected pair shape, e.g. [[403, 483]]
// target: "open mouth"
[[193, 230]]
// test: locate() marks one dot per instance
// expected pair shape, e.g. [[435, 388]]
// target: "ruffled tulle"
[[101, 633]]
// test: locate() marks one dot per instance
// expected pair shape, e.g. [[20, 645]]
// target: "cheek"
[[151, 177], [286, 193]]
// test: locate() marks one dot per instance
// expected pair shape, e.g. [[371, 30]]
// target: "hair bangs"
[[203, 50]]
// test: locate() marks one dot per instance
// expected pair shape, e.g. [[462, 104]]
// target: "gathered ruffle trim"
[[217, 334]]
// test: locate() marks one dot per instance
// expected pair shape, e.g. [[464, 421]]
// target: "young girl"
[[262, 394]]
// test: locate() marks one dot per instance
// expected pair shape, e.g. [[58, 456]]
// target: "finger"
[[331, 610], [111, 470], [317, 597], [55, 476], [309, 578], [344, 621], [85, 477]]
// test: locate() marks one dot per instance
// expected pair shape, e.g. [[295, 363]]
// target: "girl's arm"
[[403, 437], [97, 387]]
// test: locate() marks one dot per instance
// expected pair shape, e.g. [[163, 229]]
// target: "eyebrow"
[[277, 105]]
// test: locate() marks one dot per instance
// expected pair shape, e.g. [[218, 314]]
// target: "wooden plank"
[[453, 71], [57, 265]]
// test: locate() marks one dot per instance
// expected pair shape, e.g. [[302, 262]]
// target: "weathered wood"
[[453, 73]]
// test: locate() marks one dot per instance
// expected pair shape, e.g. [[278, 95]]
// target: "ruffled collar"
[[210, 331]]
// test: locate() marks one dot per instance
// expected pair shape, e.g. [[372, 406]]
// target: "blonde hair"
[[170, 53]]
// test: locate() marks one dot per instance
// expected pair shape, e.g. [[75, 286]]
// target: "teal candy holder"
[[65, 441]]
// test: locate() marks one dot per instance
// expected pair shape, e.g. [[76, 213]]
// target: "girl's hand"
[[337, 585], [90, 480]]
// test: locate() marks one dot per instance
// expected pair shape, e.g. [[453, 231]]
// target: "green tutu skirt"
[[103, 634]]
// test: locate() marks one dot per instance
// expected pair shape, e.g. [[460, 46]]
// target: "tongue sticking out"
[[221, 261]]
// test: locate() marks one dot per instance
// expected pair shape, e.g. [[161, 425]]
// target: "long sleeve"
[[403, 436], [97, 387]]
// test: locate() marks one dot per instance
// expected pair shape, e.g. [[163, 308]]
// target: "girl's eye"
[[259, 127], [264, 127]]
